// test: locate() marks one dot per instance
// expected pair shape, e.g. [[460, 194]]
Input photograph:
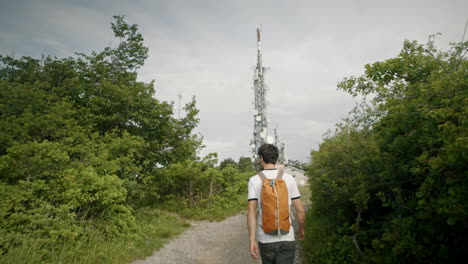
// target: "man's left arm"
[[299, 207], [300, 214]]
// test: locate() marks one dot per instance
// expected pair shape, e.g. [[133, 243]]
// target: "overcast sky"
[[207, 49]]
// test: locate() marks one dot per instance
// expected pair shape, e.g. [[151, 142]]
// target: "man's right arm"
[[252, 226]]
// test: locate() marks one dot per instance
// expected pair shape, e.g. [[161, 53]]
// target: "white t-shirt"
[[255, 188]]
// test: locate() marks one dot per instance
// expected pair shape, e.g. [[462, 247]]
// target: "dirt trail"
[[208, 243]]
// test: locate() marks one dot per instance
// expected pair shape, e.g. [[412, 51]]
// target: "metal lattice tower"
[[261, 120], [260, 133]]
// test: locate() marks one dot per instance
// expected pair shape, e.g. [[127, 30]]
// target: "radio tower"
[[282, 158], [260, 133]]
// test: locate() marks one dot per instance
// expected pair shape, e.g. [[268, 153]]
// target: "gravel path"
[[208, 243]]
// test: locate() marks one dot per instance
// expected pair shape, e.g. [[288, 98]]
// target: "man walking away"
[[275, 233]]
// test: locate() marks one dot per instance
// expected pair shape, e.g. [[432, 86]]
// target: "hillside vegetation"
[[390, 184], [89, 156]]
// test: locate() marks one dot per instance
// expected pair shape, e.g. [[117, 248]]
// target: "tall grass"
[[155, 228], [214, 210]]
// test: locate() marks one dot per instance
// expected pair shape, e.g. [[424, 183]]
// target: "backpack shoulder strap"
[[280, 174], [262, 175]]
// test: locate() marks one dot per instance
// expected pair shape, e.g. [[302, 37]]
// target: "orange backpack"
[[275, 205]]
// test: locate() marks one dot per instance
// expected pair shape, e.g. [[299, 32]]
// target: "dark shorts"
[[278, 252]]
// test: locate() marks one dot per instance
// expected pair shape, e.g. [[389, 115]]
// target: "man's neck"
[[269, 166]]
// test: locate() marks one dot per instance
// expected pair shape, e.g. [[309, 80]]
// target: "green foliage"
[[390, 185], [199, 190], [84, 145], [154, 229], [79, 138], [245, 164], [340, 178], [47, 193], [131, 53], [226, 162]]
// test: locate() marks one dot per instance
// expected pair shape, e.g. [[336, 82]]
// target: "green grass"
[[155, 228], [212, 211]]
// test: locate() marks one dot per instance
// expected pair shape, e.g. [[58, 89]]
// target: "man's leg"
[[286, 252], [268, 252]]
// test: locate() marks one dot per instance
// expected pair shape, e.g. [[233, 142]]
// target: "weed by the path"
[[155, 227]]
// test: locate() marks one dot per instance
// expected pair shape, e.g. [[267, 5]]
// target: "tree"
[[245, 165], [399, 186], [227, 162], [79, 138]]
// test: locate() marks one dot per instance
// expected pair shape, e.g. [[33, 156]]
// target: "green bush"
[[390, 185], [199, 190], [45, 198], [79, 137], [154, 228]]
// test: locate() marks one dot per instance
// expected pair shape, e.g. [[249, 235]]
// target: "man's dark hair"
[[269, 153]]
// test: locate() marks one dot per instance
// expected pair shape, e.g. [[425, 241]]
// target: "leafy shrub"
[[199, 190], [45, 198], [78, 138], [390, 185]]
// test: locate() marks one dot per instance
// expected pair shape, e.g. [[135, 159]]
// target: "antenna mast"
[[282, 158], [180, 98], [260, 133], [261, 121]]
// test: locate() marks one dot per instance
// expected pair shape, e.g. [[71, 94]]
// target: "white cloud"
[[208, 48]]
